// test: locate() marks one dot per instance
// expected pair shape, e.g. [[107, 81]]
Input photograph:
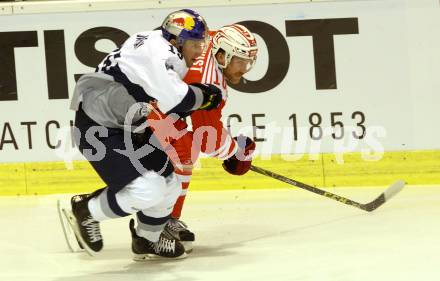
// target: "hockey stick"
[[369, 207]]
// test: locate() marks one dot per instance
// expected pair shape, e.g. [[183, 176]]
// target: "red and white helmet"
[[235, 40]]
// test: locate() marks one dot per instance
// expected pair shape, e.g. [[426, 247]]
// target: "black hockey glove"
[[212, 96]]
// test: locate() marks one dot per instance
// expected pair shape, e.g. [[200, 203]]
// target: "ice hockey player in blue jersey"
[[110, 103]]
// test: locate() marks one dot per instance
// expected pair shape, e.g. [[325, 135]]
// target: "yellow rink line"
[[415, 167]]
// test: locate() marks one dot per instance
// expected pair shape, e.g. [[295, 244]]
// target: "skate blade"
[[188, 245], [69, 235], [153, 257], [73, 224]]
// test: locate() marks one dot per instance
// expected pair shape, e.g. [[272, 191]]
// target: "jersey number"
[[174, 51]]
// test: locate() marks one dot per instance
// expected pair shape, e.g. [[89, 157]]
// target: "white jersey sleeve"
[[150, 67]]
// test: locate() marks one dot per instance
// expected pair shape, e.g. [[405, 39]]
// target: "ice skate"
[[86, 229], [179, 230], [166, 248], [65, 217]]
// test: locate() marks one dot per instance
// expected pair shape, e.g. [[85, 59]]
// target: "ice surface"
[[242, 235]]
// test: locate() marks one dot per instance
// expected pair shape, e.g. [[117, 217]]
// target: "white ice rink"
[[242, 235]]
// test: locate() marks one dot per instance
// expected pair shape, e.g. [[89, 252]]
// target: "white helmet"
[[235, 40]]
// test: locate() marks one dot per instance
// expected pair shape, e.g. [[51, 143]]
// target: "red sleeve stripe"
[[222, 148], [232, 150], [207, 70], [228, 149]]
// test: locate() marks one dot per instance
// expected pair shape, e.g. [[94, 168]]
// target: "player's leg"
[[138, 140], [185, 155], [149, 241], [178, 144], [175, 226], [118, 172]]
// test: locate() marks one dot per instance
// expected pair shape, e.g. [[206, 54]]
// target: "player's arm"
[[215, 141], [213, 138], [199, 97], [159, 71]]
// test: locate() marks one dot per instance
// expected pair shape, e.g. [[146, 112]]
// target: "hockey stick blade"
[[369, 207], [390, 192]]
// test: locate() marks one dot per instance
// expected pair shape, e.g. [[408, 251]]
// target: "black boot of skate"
[[85, 196], [86, 229], [166, 247], [82, 197], [179, 230]]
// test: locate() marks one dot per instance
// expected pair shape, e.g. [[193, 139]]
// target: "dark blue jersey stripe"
[[136, 91]]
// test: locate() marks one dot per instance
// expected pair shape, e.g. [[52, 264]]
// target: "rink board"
[[324, 170], [380, 94], [371, 85]]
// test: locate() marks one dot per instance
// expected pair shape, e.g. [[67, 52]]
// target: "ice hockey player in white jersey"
[[147, 68]]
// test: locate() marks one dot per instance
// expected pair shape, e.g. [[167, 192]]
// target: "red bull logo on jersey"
[[187, 23]]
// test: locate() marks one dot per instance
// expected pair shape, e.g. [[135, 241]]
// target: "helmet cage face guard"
[[249, 54], [227, 39]]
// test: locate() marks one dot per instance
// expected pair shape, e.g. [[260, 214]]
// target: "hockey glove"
[[241, 161], [212, 96]]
